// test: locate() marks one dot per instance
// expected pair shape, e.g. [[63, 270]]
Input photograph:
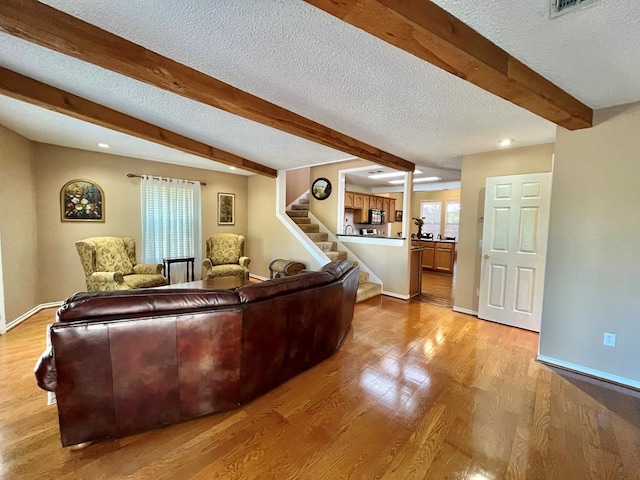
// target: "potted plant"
[[419, 222]]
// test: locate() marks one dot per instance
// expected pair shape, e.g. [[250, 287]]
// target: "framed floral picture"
[[226, 209], [81, 201]]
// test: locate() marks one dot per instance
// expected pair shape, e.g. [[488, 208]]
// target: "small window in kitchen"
[[430, 211], [452, 219]]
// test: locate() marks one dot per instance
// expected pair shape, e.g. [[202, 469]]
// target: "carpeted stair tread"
[[303, 201], [363, 277], [317, 236], [310, 227], [297, 213], [326, 246], [333, 256], [367, 290], [297, 206], [301, 220]]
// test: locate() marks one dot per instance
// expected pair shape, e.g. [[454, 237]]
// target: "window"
[[430, 211], [452, 221], [171, 221]]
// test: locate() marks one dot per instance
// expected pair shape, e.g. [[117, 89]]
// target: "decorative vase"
[[420, 234]]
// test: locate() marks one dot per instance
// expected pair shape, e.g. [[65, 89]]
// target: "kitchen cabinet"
[[438, 256], [358, 200], [348, 199], [385, 207], [391, 215], [443, 257], [364, 213]]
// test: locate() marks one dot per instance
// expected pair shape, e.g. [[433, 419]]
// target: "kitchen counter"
[[431, 240], [368, 236]]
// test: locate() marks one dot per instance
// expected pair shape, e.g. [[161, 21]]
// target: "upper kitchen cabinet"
[[348, 199]]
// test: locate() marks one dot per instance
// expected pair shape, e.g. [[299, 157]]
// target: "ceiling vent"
[[560, 7]]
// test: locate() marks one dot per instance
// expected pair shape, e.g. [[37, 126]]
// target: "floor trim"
[[465, 310], [396, 295], [625, 382], [33, 311]]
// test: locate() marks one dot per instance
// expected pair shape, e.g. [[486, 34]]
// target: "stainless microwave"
[[376, 217]]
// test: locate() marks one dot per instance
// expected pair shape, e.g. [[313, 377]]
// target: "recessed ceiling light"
[[417, 180], [505, 142], [232, 168], [378, 176], [104, 145]]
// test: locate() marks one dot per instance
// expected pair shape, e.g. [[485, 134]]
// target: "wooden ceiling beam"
[[23, 88], [424, 29], [41, 24]]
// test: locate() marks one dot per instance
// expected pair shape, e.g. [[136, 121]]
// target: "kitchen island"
[[438, 255]]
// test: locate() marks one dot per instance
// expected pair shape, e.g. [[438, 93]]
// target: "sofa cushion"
[[99, 306], [111, 256], [281, 286]]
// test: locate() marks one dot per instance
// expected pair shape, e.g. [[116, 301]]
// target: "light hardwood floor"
[[416, 391]]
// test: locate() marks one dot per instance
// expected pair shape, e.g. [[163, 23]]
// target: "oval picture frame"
[[321, 188]]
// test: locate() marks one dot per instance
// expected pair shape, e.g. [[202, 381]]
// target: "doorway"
[[438, 287]]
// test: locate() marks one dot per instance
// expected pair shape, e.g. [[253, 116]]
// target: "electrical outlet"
[[609, 339]]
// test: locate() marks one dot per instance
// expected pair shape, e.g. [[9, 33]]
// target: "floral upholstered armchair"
[[225, 256], [110, 264]]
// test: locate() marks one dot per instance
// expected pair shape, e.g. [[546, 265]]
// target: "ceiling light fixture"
[[104, 145], [232, 168], [417, 180], [378, 176], [506, 142]]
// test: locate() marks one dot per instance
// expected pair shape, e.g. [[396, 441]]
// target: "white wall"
[[593, 264]]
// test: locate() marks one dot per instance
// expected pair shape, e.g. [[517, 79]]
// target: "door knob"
[[485, 256]]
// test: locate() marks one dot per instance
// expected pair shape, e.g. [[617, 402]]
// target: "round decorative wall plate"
[[321, 188]]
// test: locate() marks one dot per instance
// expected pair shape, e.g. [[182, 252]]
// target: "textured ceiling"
[[307, 61]]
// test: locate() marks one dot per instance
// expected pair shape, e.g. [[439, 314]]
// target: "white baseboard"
[[33, 311], [465, 310], [589, 371], [259, 277], [396, 295]]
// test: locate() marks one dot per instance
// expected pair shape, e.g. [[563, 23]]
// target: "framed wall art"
[[321, 188], [226, 209], [82, 201]]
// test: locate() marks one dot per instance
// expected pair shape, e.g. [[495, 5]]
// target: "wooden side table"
[[166, 266]]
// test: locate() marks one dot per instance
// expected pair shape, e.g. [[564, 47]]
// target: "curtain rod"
[[133, 175]]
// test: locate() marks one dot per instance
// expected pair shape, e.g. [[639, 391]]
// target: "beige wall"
[[268, 238], [59, 271], [442, 196], [298, 182], [475, 170], [593, 266], [18, 227]]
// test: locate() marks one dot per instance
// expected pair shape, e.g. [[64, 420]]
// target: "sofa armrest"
[[148, 268], [207, 263], [244, 262], [45, 371]]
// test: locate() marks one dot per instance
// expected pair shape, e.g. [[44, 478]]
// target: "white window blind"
[[171, 222], [452, 218], [430, 211]]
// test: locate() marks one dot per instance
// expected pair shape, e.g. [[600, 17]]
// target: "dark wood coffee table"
[[216, 283]]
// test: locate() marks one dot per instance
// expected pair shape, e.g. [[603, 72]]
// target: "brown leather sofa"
[[125, 362]]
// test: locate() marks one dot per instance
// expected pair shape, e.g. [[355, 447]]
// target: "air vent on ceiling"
[[560, 7]]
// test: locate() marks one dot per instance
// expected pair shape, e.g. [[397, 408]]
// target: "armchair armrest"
[[244, 262], [207, 263], [148, 268], [105, 281]]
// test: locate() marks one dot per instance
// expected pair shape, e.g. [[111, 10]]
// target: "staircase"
[[299, 213]]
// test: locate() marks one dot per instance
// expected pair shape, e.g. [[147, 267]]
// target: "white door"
[[514, 249]]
